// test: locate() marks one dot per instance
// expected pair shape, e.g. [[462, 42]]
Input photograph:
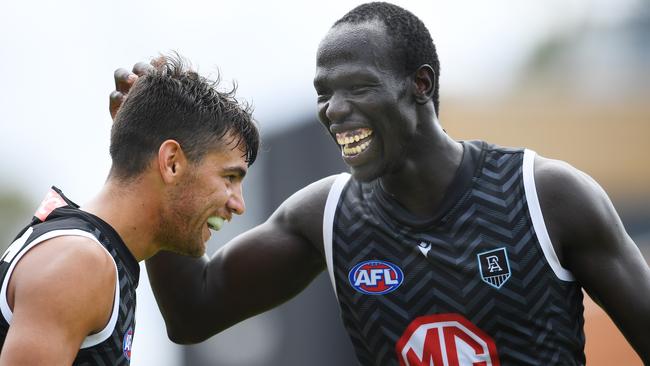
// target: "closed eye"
[[323, 98], [359, 89]]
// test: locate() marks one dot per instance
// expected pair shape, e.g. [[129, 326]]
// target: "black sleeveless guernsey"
[[58, 216], [479, 283]]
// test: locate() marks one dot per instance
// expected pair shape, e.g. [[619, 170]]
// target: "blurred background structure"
[[567, 78]]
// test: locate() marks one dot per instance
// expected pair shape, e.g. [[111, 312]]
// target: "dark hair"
[[411, 40], [173, 102]]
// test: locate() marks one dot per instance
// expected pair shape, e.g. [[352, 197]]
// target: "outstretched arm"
[[592, 243], [254, 272]]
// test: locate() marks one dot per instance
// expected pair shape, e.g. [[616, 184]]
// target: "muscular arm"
[[254, 272], [60, 292], [592, 243]]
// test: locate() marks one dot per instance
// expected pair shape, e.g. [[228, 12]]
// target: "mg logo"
[[445, 340]]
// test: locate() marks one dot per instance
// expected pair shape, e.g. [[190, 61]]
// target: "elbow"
[[192, 332], [184, 336]]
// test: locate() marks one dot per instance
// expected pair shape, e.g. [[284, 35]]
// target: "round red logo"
[[375, 277], [445, 339]]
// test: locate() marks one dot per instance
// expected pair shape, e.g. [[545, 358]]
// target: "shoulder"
[[559, 183], [75, 271], [69, 254], [60, 292], [302, 213], [576, 209], [308, 200]]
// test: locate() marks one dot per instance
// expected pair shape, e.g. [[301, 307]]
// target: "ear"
[[425, 82], [172, 161]]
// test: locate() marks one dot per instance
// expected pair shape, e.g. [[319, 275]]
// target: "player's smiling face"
[[209, 194], [362, 100]]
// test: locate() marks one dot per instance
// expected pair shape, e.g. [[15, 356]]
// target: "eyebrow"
[[322, 80], [241, 172]]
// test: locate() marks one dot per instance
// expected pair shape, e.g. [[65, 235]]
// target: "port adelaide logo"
[[494, 267], [375, 277]]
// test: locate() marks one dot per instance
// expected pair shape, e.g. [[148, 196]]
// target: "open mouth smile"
[[354, 142]]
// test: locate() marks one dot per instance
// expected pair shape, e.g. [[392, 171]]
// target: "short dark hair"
[[411, 39], [173, 102]]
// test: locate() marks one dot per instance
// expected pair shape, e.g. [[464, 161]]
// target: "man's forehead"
[[230, 143], [228, 157], [344, 40]]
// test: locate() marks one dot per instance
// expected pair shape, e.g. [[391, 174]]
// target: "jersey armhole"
[[537, 218], [91, 340], [328, 222]]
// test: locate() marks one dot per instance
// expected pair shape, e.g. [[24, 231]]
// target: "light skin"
[[415, 161], [62, 290]]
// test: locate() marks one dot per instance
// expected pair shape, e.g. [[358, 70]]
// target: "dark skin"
[[415, 161]]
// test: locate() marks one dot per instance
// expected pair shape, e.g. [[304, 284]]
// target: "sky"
[[58, 60]]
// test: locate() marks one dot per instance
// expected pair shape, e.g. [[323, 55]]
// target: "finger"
[[142, 68], [124, 80], [115, 102]]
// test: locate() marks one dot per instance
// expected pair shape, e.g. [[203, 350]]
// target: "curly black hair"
[[411, 39]]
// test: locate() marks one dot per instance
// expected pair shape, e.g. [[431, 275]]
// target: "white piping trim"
[[91, 340], [535, 211], [10, 253], [328, 222]]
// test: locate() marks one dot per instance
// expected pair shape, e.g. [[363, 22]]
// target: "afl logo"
[[375, 277], [127, 343]]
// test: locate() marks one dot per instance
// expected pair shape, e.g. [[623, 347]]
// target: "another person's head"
[[377, 71], [194, 142], [412, 45]]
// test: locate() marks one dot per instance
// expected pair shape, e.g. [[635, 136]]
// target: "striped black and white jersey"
[[58, 216], [478, 283]]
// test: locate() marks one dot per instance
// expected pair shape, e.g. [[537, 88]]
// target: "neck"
[[131, 211], [430, 166]]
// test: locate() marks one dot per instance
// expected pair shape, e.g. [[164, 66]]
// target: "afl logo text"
[[375, 277]]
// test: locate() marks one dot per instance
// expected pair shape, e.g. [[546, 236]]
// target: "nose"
[[336, 108], [236, 202]]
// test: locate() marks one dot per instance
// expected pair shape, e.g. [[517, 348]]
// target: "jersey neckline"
[[462, 181]]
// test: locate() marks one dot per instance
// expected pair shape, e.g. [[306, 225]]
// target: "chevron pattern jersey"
[[112, 345], [478, 283]]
